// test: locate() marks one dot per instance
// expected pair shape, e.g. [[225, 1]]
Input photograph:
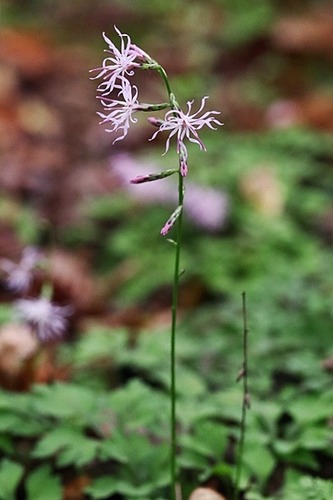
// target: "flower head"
[[46, 319], [20, 275], [120, 112], [186, 124], [120, 63]]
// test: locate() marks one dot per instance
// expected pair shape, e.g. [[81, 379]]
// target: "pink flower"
[[20, 275], [120, 63], [186, 124], [120, 113], [46, 319]]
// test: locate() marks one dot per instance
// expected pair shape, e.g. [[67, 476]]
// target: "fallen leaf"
[[27, 51], [261, 188]]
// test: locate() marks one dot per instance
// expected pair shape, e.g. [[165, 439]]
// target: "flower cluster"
[[46, 319], [116, 71]]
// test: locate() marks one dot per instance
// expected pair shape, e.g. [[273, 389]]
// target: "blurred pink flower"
[[186, 124], [120, 64], [282, 114], [20, 275], [46, 319]]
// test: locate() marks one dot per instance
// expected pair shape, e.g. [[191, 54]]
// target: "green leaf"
[[70, 445], [106, 486], [316, 438], [20, 425], [6, 313], [303, 458], [42, 484], [103, 487], [311, 408], [65, 401], [99, 344], [257, 458], [6, 444], [55, 440], [209, 439], [300, 487], [285, 448], [80, 452], [137, 405], [10, 476]]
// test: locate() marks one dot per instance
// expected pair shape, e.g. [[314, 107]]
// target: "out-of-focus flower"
[[20, 275], [120, 63], [46, 319], [186, 125], [120, 113], [283, 114]]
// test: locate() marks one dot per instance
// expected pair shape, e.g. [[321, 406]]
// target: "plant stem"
[[165, 78], [174, 310], [246, 400], [175, 294]]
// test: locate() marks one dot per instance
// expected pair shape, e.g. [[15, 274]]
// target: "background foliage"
[[87, 417]]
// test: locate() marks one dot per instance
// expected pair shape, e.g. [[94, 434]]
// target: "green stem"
[[174, 310], [175, 294], [165, 78], [246, 400], [154, 107]]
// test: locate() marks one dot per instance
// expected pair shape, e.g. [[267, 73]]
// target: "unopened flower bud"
[[172, 219], [183, 156], [155, 121], [140, 179]]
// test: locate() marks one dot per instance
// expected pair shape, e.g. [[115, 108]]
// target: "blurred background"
[[259, 213]]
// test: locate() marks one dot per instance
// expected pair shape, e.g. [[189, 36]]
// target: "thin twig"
[[243, 375]]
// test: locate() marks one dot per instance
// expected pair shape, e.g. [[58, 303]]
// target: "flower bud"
[[140, 179], [172, 219], [155, 121]]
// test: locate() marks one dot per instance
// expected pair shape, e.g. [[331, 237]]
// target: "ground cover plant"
[[86, 415]]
